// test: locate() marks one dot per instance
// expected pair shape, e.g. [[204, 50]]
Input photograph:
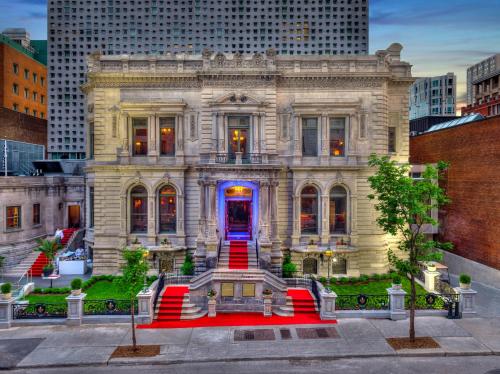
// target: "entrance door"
[[74, 216], [239, 219]]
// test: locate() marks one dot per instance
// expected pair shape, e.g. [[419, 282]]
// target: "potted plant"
[[267, 293], [431, 266], [6, 289], [48, 270], [464, 281], [396, 281], [76, 286], [211, 294]]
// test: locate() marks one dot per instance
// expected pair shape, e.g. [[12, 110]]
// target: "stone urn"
[[464, 286], [396, 286], [431, 266], [76, 292], [6, 296]]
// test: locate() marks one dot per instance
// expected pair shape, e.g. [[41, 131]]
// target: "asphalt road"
[[388, 365]]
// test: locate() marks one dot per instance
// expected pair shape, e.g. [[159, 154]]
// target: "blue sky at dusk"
[[438, 36]]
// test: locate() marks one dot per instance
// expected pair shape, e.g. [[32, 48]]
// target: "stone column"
[[213, 148], [276, 255], [268, 307], [222, 125], [212, 216], [297, 151], [181, 236], [325, 157], [397, 303], [75, 309], [212, 303], [152, 138], [123, 216], [352, 220], [179, 134], [6, 313], [430, 280], [201, 252], [125, 151], [254, 128], [262, 133], [325, 229], [151, 220], [467, 302], [296, 220], [264, 212], [327, 309], [145, 313]]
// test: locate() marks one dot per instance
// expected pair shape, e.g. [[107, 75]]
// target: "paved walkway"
[[352, 338]]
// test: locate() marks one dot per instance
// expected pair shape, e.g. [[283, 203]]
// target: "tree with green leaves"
[[404, 205], [134, 274]]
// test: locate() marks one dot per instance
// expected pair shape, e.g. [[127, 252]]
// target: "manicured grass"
[[372, 288], [44, 298]]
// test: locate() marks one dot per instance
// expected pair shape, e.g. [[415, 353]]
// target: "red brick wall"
[[472, 220], [23, 128]]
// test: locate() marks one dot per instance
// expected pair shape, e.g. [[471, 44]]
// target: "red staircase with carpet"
[[302, 301], [37, 267], [238, 254], [172, 300], [67, 234]]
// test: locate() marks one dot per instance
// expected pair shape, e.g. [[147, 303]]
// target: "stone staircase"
[[224, 256], [17, 271], [298, 301], [176, 307]]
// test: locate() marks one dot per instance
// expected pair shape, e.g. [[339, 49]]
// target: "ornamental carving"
[[329, 82]]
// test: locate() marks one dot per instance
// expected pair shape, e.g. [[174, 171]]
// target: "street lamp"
[[328, 254]]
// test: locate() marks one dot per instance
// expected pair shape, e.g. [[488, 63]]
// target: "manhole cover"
[[253, 335], [317, 333], [285, 334]]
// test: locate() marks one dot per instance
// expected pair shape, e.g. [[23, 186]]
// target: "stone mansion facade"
[[189, 151]]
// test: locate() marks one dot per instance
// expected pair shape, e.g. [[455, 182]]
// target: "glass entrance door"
[[239, 219]]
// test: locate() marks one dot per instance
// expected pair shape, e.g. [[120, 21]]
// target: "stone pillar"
[[181, 235], [145, 313], [264, 212], [212, 303], [268, 307], [325, 147], [430, 280], [75, 309], [254, 128], [6, 313], [397, 303], [179, 134], [467, 302], [297, 150], [212, 241], [324, 228], [327, 309], [262, 133], [213, 148], [296, 220], [151, 220], [152, 138], [200, 254], [276, 255], [125, 151]]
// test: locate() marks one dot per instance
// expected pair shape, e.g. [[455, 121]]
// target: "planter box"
[[77, 267]]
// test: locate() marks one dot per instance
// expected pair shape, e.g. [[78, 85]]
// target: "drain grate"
[[285, 334], [254, 335], [317, 333]]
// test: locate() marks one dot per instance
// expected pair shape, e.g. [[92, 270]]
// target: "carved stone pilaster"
[[325, 230]]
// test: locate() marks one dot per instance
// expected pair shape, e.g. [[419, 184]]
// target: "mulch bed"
[[142, 351], [419, 343]]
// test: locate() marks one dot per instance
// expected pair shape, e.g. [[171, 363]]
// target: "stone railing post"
[[430, 280], [268, 307], [145, 306], [211, 307], [327, 308], [467, 301], [397, 303], [75, 309], [6, 313]]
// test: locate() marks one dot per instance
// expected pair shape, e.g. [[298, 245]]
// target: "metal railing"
[[257, 252], [246, 158], [109, 307], [362, 302], [299, 282], [219, 250], [315, 292], [159, 289], [432, 301], [39, 310]]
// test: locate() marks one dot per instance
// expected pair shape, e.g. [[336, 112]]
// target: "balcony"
[[238, 158]]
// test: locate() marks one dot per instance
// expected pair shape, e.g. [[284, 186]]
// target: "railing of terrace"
[[109, 307], [39, 310], [362, 302]]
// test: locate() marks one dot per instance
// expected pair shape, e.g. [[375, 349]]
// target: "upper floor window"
[[26, 93], [138, 210], [338, 211], [337, 137], [15, 89], [91, 206], [91, 140], [13, 217], [36, 214], [140, 136], [26, 74], [42, 81], [309, 210], [310, 137], [391, 141], [167, 136], [238, 130], [35, 77], [167, 209], [15, 68]]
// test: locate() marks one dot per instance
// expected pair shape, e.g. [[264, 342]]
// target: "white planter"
[[465, 286], [76, 292], [396, 286], [431, 267], [6, 296]]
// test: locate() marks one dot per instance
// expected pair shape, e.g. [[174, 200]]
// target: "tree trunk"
[[412, 308], [134, 341]]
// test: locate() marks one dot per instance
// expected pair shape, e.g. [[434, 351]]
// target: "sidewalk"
[[93, 345]]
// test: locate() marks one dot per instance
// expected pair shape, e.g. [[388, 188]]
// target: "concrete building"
[[157, 27], [472, 220], [192, 152], [433, 97], [483, 88]]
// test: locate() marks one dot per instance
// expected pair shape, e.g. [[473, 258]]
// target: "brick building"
[[472, 220]]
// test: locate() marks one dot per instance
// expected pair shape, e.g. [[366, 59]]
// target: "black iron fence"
[[432, 301], [315, 292], [39, 310], [362, 302], [109, 307]]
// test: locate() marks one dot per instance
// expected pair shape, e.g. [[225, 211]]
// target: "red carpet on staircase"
[[170, 308], [67, 233], [37, 267], [303, 302], [238, 254]]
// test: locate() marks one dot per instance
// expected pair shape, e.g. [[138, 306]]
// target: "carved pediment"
[[237, 98]]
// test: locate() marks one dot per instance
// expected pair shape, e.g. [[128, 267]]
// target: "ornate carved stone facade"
[[290, 134]]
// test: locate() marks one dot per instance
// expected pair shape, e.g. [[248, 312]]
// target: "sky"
[[438, 36]]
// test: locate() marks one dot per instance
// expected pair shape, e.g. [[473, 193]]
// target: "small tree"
[[289, 268], [134, 272], [187, 267], [404, 206], [49, 248]]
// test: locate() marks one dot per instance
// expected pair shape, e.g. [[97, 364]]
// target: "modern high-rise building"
[[483, 88], [156, 27]]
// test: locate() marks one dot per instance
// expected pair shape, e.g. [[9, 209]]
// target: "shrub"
[[344, 280], [465, 278], [364, 278], [333, 280], [76, 284], [187, 267], [376, 277], [289, 268], [396, 279], [353, 279], [322, 280], [387, 276], [6, 288]]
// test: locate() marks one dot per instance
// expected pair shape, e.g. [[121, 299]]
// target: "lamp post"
[[328, 254]]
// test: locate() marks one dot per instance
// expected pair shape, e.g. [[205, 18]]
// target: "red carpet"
[[238, 254], [67, 233], [240, 319], [37, 267], [303, 302], [170, 308]]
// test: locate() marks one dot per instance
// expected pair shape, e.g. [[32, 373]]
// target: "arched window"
[[138, 210], [310, 266], [309, 210], [167, 209], [338, 210]]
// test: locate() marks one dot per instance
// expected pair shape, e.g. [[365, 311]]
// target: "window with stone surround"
[[13, 217], [391, 141], [138, 210], [310, 137], [337, 137], [309, 210], [140, 136], [36, 214], [167, 136], [91, 207], [167, 209], [338, 210]]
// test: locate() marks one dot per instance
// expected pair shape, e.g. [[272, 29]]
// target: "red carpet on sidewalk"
[[303, 302], [170, 308], [238, 254], [37, 267]]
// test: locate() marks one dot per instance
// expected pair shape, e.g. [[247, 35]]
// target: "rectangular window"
[[140, 136], [310, 137], [15, 107], [13, 217], [167, 136], [15, 89], [26, 93], [91, 140], [337, 137], [91, 207], [35, 77], [391, 141], [238, 130], [26, 74], [36, 214], [15, 68]]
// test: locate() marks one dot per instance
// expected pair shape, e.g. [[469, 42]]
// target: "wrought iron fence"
[[432, 301], [39, 310], [108, 307], [362, 302], [315, 291]]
